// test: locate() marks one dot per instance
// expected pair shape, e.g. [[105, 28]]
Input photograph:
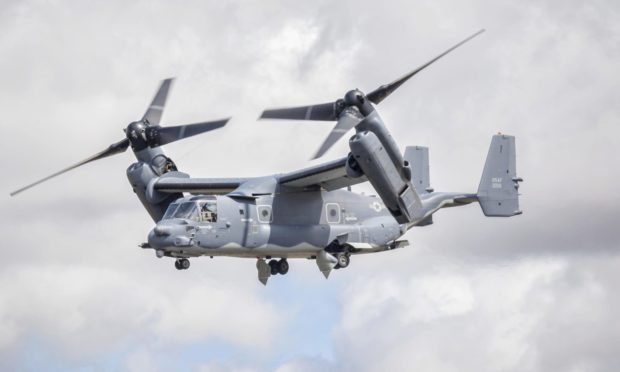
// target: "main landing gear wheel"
[[279, 267], [185, 264], [343, 260], [181, 264], [273, 264], [283, 266]]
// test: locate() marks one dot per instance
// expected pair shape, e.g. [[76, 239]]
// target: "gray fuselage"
[[288, 225]]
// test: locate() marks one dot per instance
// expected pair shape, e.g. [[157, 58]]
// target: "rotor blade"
[[165, 135], [154, 112], [379, 94], [323, 112], [345, 123], [113, 149]]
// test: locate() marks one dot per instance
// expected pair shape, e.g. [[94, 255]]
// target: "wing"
[[330, 176], [198, 185]]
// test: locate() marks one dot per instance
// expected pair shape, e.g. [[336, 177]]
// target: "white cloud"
[[141, 361], [85, 311], [515, 317], [307, 364], [220, 367], [536, 292]]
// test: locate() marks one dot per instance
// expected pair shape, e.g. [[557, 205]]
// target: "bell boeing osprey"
[[309, 213]]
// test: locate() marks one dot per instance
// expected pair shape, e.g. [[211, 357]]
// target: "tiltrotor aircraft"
[[309, 213]]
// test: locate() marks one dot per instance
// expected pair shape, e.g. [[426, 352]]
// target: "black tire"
[[185, 264], [283, 266], [273, 264], [177, 264], [343, 260]]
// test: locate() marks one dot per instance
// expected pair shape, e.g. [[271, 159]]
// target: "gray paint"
[[303, 220], [498, 191], [417, 157]]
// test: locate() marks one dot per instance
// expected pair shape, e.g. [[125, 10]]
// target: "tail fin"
[[498, 192], [417, 157]]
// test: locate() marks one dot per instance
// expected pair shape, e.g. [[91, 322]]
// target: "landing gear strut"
[[181, 264], [279, 267]]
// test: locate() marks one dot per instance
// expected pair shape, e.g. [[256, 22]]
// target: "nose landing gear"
[[181, 264]]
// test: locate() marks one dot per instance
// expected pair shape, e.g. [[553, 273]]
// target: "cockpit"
[[199, 211]]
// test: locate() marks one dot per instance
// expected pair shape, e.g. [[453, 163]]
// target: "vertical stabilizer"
[[417, 157], [498, 192]]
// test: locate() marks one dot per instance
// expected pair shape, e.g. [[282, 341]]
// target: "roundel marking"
[[376, 206]]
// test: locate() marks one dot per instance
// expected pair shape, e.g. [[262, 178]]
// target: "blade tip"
[[13, 193], [265, 114], [318, 154]]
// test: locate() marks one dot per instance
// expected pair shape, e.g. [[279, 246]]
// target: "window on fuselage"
[[208, 211], [187, 211]]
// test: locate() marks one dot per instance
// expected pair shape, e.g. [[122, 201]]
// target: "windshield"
[[170, 211], [187, 211]]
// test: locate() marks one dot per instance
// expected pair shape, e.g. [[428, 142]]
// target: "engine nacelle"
[[374, 124], [142, 178], [353, 168], [386, 176]]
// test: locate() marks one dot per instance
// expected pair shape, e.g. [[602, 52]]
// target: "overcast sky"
[[537, 292]]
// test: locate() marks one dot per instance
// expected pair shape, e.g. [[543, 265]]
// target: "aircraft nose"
[[164, 230], [170, 235], [155, 239]]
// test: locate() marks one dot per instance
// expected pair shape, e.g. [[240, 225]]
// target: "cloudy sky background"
[[538, 292]]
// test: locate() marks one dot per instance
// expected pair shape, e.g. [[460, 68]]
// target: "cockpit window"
[[187, 211], [170, 211], [208, 211], [205, 211]]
